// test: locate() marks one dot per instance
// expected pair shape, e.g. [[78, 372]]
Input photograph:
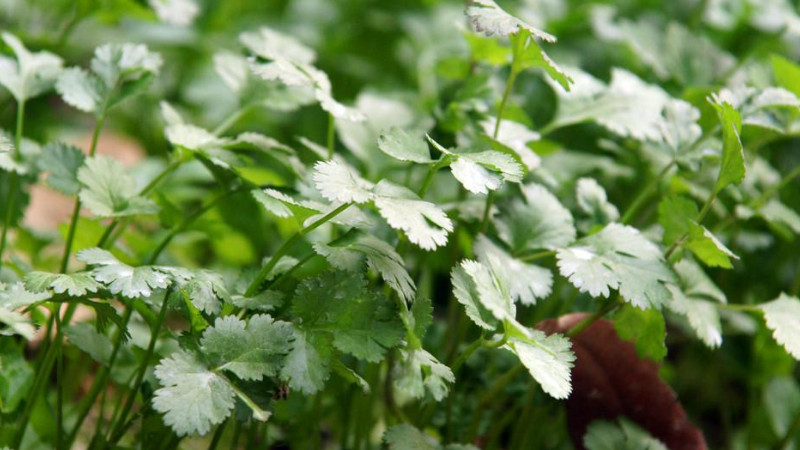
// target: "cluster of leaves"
[[381, 272]]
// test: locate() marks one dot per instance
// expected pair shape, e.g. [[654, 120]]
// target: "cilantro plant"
[[408, 225]]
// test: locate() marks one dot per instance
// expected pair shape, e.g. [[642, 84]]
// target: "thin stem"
[[59, 379], [14, 183], [77, 209], [478, 343], [432, 169], [118, 429], [703, 213], [252, 289], [231, 120], [588, 321], [177, 229], [100, 380], [38, 384], [331, 135], [491, 394], [487, 211], [645, 193], [537, 255]]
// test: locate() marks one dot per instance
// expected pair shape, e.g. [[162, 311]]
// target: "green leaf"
[[206, 290], [81, 89], [108, 191], [416, 372], [783, 318], [406, 437], [74, 284], [485, 171], [31, 74], [131, 282], [192, 398], [547, 358], [488, 18], [620, 435], [617, 257], [308, 366], [540, 222], [404, 146], [16, 378], [338, 182], [708, 248], [61, 162], [693, 299], [526, 282], [380, 256], [787, 73], [593, 201], [425, 223], [271, 44], [175, 12], [732, 168], [533, 55], [781, 399], [363, 323], [645, 328], [675, 213], [465, 289], [88, 340], [250, 351]]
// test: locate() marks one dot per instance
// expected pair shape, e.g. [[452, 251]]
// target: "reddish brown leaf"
[[610, 380]]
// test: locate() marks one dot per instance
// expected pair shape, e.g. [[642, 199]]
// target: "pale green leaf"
[[31, 74], [62, 162], [88, 340], [250, 351], [526, 282], [708, 248], [175, 12], [81, 89], [547, 358], [271, 44], [621, 435], [308, 366], [488, 18], [617, 257], [593, 201], [540, 222], [404, 146], [108, 191], [192, 398], [783, 318], [76, 284], [131, 282]]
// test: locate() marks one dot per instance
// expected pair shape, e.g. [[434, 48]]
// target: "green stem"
[[491, 395], [118, 429], [681, 240], [252, 289], [231, 120], [59, 378], [331, 135], [597, 315], [487, 211], [791, 433], [179, 228], [475, 345], [645, 194], [73, 223], [100, 380], [14, 184], [432, 169], [537, 256]]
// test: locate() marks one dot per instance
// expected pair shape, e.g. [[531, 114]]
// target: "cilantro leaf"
[[62, 163], [617, 257], [732, 167], [404, 146], [488, 18], [693, 298], [308, 365], [363, 323], [175, 12], [87, 339], [593, 201], [250, 351], [547, 358], [622, 435], [539, 222], [514, 136], [416, 372], [75, 284], [192, 398], [122, 279], [783, 318], [526, 282], [645, 328], [425, 224], [108, 191], [31, 74]]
